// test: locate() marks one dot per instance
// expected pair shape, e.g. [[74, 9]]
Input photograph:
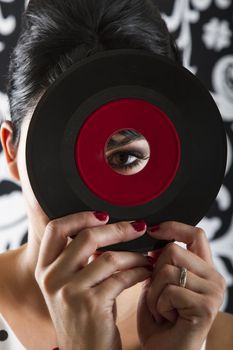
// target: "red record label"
[[165, 152]]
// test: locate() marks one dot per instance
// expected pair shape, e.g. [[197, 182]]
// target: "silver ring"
[[183, 276]]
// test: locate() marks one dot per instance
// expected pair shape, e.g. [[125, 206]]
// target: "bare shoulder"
[[221, 333]]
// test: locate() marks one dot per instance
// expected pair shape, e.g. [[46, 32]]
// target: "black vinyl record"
[[127, 90]]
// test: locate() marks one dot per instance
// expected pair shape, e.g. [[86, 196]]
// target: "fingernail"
[[151, 260], [153, 228], [101, 215], [139, 225]]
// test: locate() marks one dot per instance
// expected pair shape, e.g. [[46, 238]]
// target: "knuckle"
[[119, 230], [168, 290], [85, 218], [172, 251], [65, 293], [171, 226], [52, 226], [219, 294], [166, 271], [120, 278], [38, 274], [47, 281], [220, 298], [210, 308], [166, 293], [68, 295], [164, 296], [219, 286], [110, 258], [222, 283], [200, 232], [87, 235]]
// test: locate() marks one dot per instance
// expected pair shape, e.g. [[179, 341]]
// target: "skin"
[[113, 155], [184, 315]]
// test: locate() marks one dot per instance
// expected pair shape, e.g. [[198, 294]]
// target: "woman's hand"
[[81, 296], [182, 316]]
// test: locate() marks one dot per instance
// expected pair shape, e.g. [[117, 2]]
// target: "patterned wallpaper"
[[203, 29]]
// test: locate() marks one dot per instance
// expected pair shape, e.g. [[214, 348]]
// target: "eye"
[[126, 159]]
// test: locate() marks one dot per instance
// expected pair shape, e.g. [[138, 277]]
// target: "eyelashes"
[[128, 159]]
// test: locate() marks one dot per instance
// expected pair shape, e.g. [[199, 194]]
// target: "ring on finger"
[[183, 277]]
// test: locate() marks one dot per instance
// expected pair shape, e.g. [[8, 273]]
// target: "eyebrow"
[[125, 141]]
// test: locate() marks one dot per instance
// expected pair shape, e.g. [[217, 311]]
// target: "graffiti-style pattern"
[[203, 30]]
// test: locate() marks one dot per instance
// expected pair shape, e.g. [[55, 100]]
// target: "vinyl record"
[[149, 95]]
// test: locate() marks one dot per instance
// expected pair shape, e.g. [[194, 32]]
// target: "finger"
[[108, 263], [76, 255], [57, 231], [194, 237], [175, 255], [170, 275], [191, 307], [154, 254], [118, 282]]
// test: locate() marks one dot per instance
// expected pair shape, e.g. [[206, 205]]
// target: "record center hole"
[[127, 152]]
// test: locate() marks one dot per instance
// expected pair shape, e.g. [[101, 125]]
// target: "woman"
[[59, 292]]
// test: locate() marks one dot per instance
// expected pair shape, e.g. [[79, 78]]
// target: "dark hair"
[[57, 33]]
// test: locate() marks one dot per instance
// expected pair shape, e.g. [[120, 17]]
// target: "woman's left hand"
[[172, 317]]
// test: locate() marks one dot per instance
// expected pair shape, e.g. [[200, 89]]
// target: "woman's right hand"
[[81, 296]]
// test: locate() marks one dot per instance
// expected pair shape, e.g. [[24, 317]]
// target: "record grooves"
[[127, 89]]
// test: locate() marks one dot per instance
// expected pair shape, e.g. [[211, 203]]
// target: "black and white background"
[[204, 33]]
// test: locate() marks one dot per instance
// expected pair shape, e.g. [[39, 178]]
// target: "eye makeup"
[[127, 158]]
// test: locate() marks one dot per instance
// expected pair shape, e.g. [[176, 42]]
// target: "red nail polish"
[[153, 228], [56, 349], [139, 225], [101, 215]]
